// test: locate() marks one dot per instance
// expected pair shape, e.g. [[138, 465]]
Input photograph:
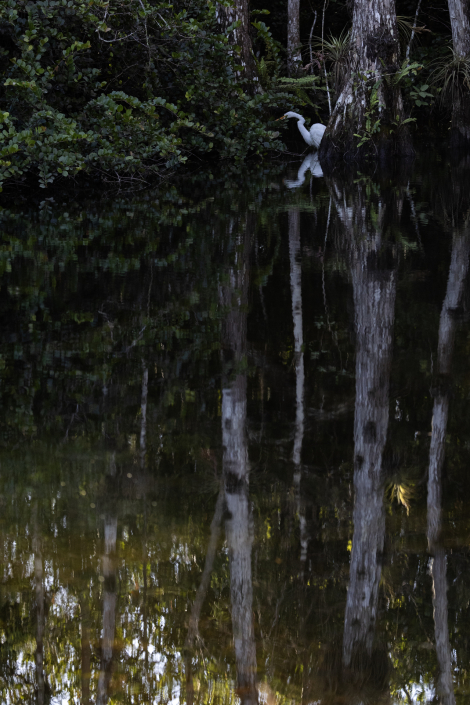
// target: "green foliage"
[[152, 85], [268, 66], [416, 95], [421, 96], [373, 121], [406, 69], [299, 87]]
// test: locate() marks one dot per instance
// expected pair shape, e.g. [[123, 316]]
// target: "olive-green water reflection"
[[234, 442]]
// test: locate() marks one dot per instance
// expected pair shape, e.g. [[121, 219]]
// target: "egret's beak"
[[281, 118]]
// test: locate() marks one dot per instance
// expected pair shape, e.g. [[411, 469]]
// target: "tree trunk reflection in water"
[[447, 325], [193, 628], [296, 291], [374, 287], [238, 526], [109, 601], [40, 611], [85, 649], [143, 451]]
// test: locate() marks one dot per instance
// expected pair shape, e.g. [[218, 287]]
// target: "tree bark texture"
[[109, 607], [374, 302], [233, 296], [447, 326], [374, 59], [294, 54], [240, 36], [459, 11], [296, 292], [374, 289]]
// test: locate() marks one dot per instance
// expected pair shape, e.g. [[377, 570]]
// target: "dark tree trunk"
[[238, 526], [447, 326], [459, 11], [374, 59], [294, 55], [239, 12]]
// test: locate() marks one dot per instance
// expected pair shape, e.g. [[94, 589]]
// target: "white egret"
[[313, 136]]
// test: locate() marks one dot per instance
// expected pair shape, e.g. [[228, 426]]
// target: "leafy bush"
[[127, 89]]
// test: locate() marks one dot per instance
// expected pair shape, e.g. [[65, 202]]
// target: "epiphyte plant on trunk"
[[373, 116]]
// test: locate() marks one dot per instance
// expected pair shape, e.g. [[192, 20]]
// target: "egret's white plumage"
[[313, 136]]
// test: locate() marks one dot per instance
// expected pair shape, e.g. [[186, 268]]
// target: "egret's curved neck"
[[303, 130]]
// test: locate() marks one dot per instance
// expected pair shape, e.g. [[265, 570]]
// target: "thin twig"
[[134, 342], [323, 55], [310, 41], [323, 267], [413, 31]]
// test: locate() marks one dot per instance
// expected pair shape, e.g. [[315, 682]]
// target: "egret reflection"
[[310, 163]]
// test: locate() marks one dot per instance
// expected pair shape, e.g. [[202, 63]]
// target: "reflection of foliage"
[[92, 291], [402, 491]]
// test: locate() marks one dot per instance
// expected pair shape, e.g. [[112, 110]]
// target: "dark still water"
[[235, 441]]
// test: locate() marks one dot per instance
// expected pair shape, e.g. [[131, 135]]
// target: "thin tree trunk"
[[143, 415], [413, 31], [294, 55], [108, 567], [296, 292], [447, 327], [240, 36], [375, 58], [459, 11], [85, 650], [193, 625]]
